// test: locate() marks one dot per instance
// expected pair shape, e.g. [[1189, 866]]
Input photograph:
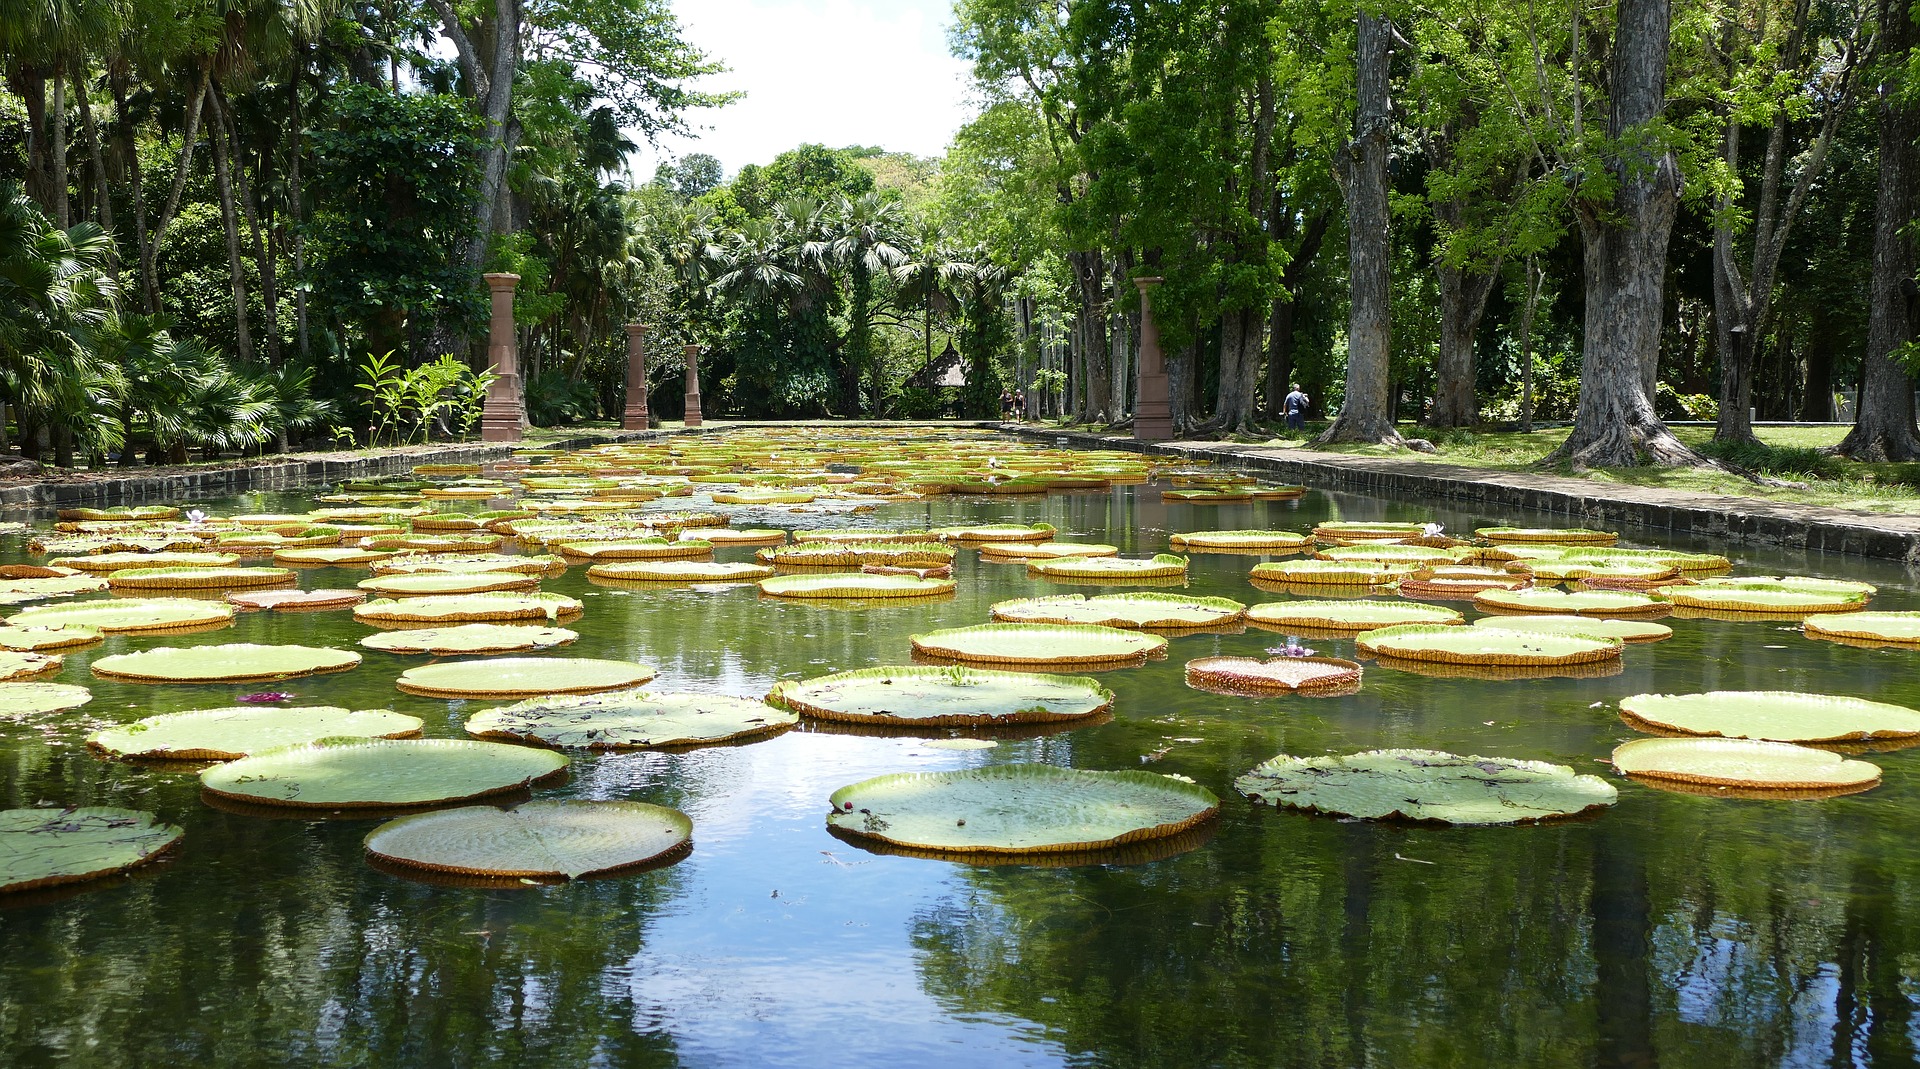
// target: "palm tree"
[[691, 244], [927, 277], [981, 297], [864, 238], [56, 298]]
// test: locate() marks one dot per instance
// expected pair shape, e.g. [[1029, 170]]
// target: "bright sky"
[[836, 72]]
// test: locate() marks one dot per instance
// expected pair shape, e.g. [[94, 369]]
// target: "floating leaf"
[[473, 562], [637, 549], [470, 638], [1485, 646], [854, 585], [948, 697], [515, 677], [19, 700], [1142, 610], [102, 563], [296, 600], [1040, 644], [679, 571], [1332, 572], [126, 614], [468, 608], [1239, 674], [380, 773], [1202, 541], [1046, 550], [1349, 615], [996, 532], [47, 847], [1019, 809], [226, 734], [1762, 600], [230, 663], [1160, 566], [1426, 785], [1899, 627], [1624, 630], [447, 583], [630, 720], [1744, 763], [1777, 715], [1571, 603], [197, 578], [1562, 535], [50, 637], [534, 840]]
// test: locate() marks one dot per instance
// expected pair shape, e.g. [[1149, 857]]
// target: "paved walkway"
[[1583, 502]]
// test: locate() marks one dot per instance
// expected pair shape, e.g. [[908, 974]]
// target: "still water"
[[1673, 929]]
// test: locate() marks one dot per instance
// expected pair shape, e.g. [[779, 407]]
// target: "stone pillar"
[[693, 386], [635, 417], [501, 420], [1152, 411]]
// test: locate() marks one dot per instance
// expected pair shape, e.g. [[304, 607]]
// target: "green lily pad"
[[1163, 565], [1803, 583], [516, 677], [226, 734], [1201, 541], [197, 578], [543, 564], [330, 556], [996, 532], [1046, 550], [380, 773], [1332, 572], [1240, 675], [1485, 646], [534, 840], [630, 720], [1563, 569], [470, 638], [1739, 599], [854, 585], [447, 583], [1900, 627], [234, 662], [851, 554], [1561, 535], [16, 666], [1624, 630], [1142, 610], [637, 549], [19, 700], [944, 697], [1019, 809], [1389, 552], [1775, 715], [1571, 602], [1426, 785], [467, 608], [1746, 763], [103, 563], [1350, 615], [126, 614], [679, 571], [15, 591], [51, 637], [47, 847], [1040, 644]]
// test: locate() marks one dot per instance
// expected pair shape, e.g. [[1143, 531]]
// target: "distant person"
[[1020, 405], [1006, 404], [1296, 404]]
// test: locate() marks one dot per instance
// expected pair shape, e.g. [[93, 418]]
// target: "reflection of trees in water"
[[1297, 941]]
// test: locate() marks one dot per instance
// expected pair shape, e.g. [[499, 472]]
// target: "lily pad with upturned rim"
[[20, 700], [1019, 809], [854, 585], [1203, 541], [433, 583], [1169, 612], [1738, 599], [380, 773], [231, 733], [198, 578], [1485, 646], [522, 677], [234, 662], [566, 839], [1625, 630], [1426, 785], [679, 571], [462, 639], [1331, 572], [1744, 763], [1902, 628], [1349, 615], [296, 600], [630, 720], [1045, 550], [17, 666], [126, 614], [48, 847], [1552, 535], [1040, 644], [1159, 566], [468, 608], [1278, 674], [996, 532], [1774, 715], [1571, 603], [943, 697], [49, 637]]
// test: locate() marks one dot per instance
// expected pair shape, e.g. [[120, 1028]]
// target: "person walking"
[[1297, 404]]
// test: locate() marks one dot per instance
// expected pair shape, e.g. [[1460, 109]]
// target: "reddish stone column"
[[502, 419], [1152, 411], [693, 386], [635, 417]]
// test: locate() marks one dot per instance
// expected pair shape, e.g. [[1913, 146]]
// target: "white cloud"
[[836, 72]]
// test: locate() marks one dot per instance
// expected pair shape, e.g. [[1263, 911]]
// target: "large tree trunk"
[[57, 119], [123, 124], [1883, 429], [1280, 325], [189, 135], [490, 81], [1094, 403], [296, 204], [103, 204], [1536, 281], [262, 256], [1816, 404], [1624, 246], [1362, 173], [1463, 300], [236, 270], [30, 85]]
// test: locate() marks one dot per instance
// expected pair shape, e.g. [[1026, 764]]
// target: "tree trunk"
[[262, 256], [103, 204], [1816, 404], [236, 270], [1362, 173], [123, 122], [1463, 300], [1095, 401], [31, 86], [1536, 280], [62, 213], [189, 133], [296, 207], [1883, 429], [1280, 324], [492, 88], [1624, 246]]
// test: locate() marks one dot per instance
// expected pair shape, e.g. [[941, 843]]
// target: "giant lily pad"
[[447, 583], [470, 638], [1624, 630], [1046, 550], [129, 614], [103, 563], [1044, 644], [1249, 674], [1557, 535], [1331, 572], [1739, 599], [467, 608], [637, 549], [1895, 627], [1485, 646], [630, 720], [1019, 809], [679, 571], [517, 677], [1349, 615], [943, 697], [296, 600], [226, 734], [996, 532], [1145, 610], [1160, 566], [230, 663], [851, 554], [14, 591], [854, 585], [1426, 785], [473, 562], [380, 773], [1803, 583], [534, 840], [1571, 603], [1776, 715], [43, 639], [46, 847], [17, 666], [1389, 552], [746, 536], [198, 578], [330, 556], [1744, 763], [1240, 541], [20, 700], [1555, 570]]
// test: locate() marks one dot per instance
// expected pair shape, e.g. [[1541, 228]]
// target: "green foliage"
[[556, 400]]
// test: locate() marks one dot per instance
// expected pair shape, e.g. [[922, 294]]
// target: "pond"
[[1676, 928]]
